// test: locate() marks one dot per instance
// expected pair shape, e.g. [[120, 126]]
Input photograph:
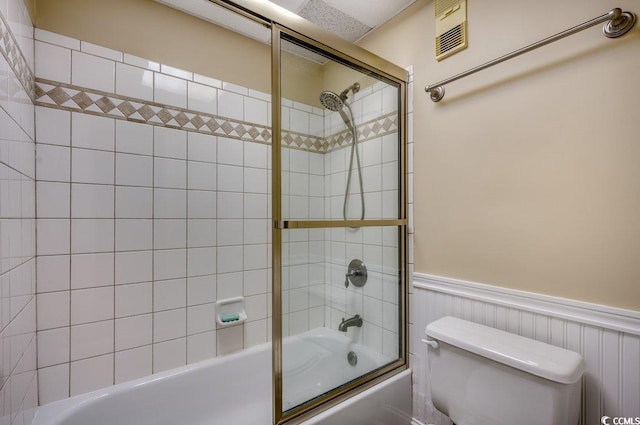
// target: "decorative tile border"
[[72, 98], [14, 57]]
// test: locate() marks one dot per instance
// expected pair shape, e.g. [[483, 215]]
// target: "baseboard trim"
[[613, 318]]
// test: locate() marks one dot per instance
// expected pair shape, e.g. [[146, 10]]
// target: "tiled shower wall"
[[375, 110], [18, 385], [153, 187]]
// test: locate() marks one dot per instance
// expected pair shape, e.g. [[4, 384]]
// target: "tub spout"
[[353, 321]]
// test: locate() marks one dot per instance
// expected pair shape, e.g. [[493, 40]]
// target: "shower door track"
[[294, 224]]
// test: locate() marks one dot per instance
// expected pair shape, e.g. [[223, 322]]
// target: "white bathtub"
[[236, 389]]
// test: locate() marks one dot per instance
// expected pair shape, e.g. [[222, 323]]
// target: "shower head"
[[331, 101]]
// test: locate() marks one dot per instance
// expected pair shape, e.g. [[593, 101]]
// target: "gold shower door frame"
[[335, 396]]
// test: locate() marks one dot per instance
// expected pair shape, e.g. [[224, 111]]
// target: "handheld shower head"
[[331, 101]]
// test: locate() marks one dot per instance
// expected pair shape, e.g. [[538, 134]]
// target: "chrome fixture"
[[356, 273], [337, 103], [617, 24], [352, 358], [353, 321]]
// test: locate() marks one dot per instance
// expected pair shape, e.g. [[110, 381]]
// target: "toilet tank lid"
[[535, 357]]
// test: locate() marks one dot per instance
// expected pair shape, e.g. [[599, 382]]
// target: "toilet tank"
[[484, 376]]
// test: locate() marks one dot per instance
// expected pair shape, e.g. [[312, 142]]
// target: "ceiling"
[[349, 19]]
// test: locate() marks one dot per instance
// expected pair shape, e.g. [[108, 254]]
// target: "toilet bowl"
[[484, 376]]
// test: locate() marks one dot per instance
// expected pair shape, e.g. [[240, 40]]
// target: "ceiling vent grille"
[[451, 27]]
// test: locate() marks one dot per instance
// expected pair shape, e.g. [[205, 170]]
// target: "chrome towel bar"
[[617, 24]]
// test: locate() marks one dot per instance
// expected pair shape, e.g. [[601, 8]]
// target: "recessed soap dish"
[[230, 311]]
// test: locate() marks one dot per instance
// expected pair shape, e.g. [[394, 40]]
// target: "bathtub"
[[236, 389]]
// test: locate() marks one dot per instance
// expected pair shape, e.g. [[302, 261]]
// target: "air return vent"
[[451, 27]]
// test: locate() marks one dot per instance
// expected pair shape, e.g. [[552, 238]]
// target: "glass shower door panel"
[[341, 285]]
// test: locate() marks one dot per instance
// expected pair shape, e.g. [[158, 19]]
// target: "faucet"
[[353, 321]]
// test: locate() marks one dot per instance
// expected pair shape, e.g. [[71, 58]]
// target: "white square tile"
[[170, 91], [53, 310], [230, 339], [104, 52], [255, 180], [229, 259], [91, 374], [134, 202], [169, 294], [230, 178], [133, 137], [255, 333], [53, 383], [201, 289], [53, 347], [52, 62], [57, 39], [133, 234], [255, 111], [230, 205], [230, 151], [390, 148], [89, 235], [202, 175], [90, 166], [201, 233], [255, 155], [255, 257], [92, 270], [202, 147], [170, 203], [134, 266], [169, 355], [53, 199], [133, 364], [201, 318], [92, 339], [230, 232], [134, 331], [92, 201], [207, 81], [256, 231], [201, 347], [133, 299], [230, 105], [169, 325], [201, 204], [390, 176], [201, 261], [176, 72], [255, 205], [89, 131], [256, 307], [53, 163], [92, 305], [53, 273], [169, 264], [255, 282], [134, 170], [299, 121], [170, 173], [53, 126], [142, 63], [169, 234], [93, 72], [134, 82], [202, 98], [53, 236], [170, 143], [229, 285]]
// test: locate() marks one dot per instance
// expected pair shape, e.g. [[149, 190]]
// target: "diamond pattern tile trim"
[[16, 60], [79, 99]]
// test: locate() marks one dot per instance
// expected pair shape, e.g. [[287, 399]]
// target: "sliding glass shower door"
[[339, 225]]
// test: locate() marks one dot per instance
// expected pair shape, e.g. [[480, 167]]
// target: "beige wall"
[[153, 31], [527, 175]]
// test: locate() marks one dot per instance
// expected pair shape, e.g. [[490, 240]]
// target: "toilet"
[[484, 376]]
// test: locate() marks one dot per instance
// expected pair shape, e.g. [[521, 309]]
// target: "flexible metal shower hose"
[[354, 133]]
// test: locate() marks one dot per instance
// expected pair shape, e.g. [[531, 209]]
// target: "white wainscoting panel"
[[608, 338]]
